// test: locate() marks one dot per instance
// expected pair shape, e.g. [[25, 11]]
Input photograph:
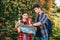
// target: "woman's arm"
[[30, 22], [16, 26]]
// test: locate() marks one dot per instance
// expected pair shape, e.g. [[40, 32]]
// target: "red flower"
[[0, 24]]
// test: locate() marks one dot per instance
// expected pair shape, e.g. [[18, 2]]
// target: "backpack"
[[48, 25]]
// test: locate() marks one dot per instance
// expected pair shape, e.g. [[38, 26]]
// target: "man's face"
[[37, 10]]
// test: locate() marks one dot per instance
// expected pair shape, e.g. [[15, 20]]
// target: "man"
[[41, 18]]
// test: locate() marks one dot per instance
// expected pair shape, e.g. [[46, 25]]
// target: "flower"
[[55, 35], [6, 12], [6, 22], [42, 2], [19, 18], [23, 5], [0, 24], [28, 0], [6, 6], [58, 14], [30, 16], [19, 15]]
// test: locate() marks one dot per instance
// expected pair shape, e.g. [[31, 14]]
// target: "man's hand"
[[37, 24]]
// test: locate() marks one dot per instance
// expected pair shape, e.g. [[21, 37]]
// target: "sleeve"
[[44, 19], [15, 30]]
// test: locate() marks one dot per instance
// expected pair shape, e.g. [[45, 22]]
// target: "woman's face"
[[25, 15]]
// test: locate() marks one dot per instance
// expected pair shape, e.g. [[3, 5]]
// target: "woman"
[[25, 20]]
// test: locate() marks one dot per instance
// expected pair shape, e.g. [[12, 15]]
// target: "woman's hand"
[[30, 25], [16, 26]]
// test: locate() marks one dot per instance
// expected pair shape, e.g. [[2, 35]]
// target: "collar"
[[40, 12]]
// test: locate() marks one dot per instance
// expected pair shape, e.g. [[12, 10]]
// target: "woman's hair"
[[24, 11]]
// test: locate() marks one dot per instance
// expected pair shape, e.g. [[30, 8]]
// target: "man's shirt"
[[42, 30]]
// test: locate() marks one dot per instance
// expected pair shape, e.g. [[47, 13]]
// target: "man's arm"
[[37, 24], [42, 21]]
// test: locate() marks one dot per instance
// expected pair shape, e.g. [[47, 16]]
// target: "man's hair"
[[36, 6]]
